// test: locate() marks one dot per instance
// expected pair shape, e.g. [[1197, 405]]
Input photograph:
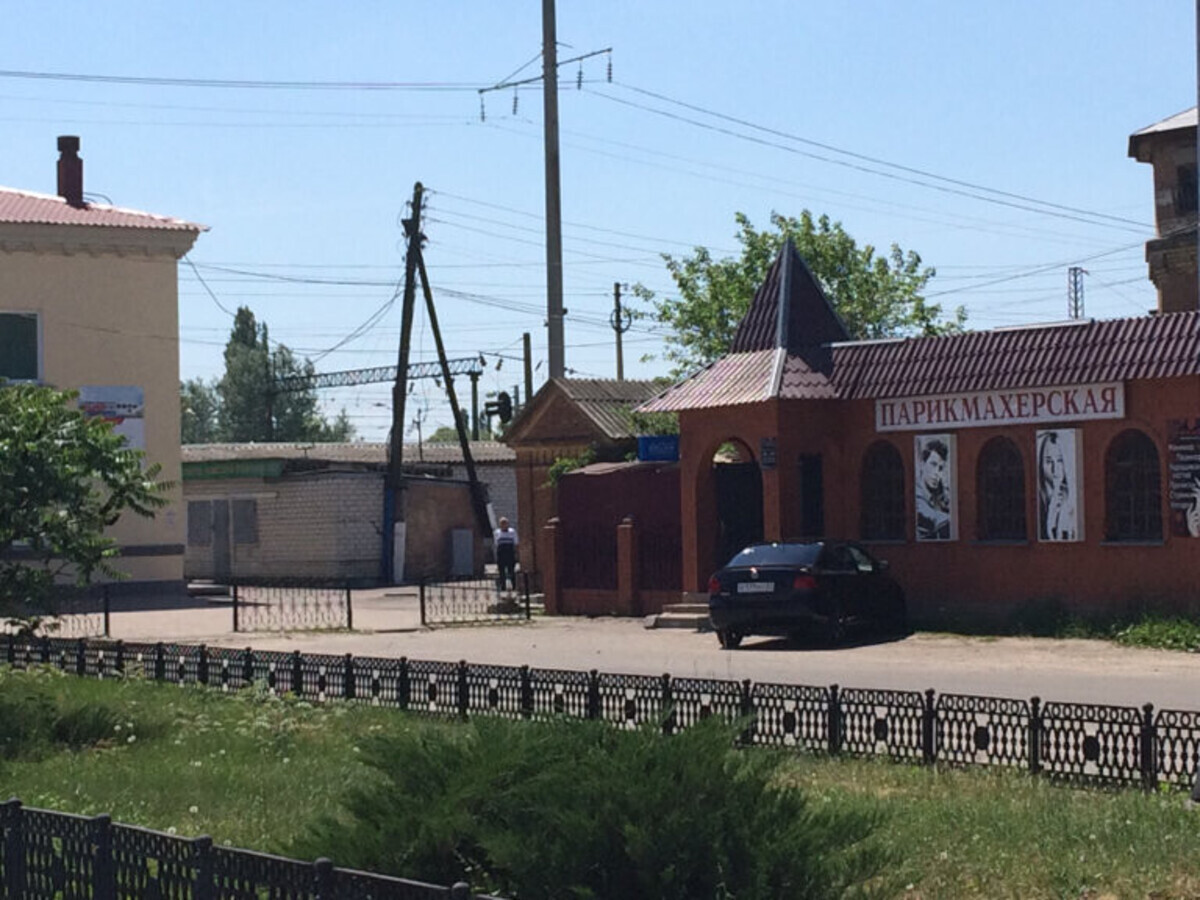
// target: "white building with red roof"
[[89, 302]]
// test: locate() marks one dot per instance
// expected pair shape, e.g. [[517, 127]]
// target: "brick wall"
[[310, 525]]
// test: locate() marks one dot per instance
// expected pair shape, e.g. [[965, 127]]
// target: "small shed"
[[565, 419]]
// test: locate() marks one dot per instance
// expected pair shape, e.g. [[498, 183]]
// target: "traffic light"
[[501, 407], [504, 407]]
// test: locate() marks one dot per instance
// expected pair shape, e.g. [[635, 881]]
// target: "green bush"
[[1163, 633], [581, 809]]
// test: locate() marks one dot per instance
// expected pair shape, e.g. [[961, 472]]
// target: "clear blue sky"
[[303, 189]]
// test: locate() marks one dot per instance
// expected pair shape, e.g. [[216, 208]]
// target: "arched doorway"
[[737, 486]]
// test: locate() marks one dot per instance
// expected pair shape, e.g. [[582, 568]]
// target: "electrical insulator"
[[579, 78], [610, 68], [482, 110], [514, 101]]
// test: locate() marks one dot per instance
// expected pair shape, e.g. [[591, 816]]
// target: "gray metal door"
[[222, 558]]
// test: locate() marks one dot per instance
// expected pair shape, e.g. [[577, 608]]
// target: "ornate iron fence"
[[473, 600], [292, 606], [1075, 742], [58, 856], [69, 612]]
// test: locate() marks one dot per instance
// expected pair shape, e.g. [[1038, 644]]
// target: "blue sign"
[[658, 448]]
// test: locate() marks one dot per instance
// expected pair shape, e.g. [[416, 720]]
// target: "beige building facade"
[[89, 302]]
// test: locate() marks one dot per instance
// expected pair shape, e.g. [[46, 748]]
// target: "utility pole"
[[478, 501], [474, 406], [1075, 292], [527, 347], [554, 281], [621, 320], [412, 231]]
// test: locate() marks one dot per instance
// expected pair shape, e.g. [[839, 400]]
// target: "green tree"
[[243, 405], [198, 416], [64, 478], [875, 295]]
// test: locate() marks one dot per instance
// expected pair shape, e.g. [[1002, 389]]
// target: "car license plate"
[[756, 587]]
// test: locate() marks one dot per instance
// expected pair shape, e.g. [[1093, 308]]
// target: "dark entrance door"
[[222, 563], [812, 496], [739, 508]]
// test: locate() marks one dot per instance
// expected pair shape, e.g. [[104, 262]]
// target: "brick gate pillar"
[[628, 601], [552, 566]]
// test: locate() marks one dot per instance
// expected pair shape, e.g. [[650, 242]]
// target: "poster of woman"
[[934, 486], [1059, 485]]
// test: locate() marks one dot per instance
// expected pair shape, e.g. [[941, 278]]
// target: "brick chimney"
[[70, 171]]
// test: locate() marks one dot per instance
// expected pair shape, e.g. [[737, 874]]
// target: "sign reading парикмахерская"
[[1018, 406]]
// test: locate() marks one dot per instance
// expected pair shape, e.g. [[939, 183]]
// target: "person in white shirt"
[[505, 540]]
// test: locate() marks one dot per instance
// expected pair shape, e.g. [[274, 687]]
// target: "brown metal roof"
[[482, 452], [731, 381], [1082, 352], [26, 207], [808, 318], [608, 402]]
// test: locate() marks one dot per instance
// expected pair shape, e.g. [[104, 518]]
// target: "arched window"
[[1000, 491], [1133, 489], [882, 484]]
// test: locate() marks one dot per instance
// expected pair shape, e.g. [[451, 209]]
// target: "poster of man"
[[1060, 486], [934, 486]]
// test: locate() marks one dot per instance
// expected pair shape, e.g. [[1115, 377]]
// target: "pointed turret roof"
[[789, 310]]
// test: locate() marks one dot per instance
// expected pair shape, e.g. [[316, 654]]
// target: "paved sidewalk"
[[387, 623]]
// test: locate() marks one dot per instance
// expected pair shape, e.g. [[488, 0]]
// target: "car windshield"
[[777, 555]]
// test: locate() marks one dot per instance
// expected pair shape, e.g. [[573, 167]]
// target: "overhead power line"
[[937, 182], [243, 83]]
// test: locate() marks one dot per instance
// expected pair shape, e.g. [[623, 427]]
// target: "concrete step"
[[692, 621], [688, 608]]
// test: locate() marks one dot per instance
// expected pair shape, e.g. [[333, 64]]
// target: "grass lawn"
[[254, 771]]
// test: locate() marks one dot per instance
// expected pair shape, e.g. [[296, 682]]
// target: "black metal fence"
[[1077, 742], [292, 606], [70, 612], [474, 600], [58, 856]]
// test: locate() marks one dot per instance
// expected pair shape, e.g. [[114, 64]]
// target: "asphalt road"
[[1064, 670]]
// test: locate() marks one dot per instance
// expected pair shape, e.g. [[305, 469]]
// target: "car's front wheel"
[[730, 638]]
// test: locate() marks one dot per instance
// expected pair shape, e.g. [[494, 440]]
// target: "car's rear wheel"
[[730, 638]]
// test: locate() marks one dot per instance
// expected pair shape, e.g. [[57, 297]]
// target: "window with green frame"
[[19, 346]]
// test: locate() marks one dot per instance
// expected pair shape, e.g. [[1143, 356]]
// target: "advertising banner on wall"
[[1183, 467], [936, 487], [122, 404], [1060, 485]]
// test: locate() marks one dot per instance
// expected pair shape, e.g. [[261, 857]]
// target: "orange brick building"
[[1015, 468]]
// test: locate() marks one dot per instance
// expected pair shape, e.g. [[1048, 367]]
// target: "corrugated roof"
[[1185, 119], [607, 402], [732, 380], [1084, 352], [354, 452], [28, 208]]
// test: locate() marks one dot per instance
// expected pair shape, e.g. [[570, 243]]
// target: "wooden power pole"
[[554, 279]]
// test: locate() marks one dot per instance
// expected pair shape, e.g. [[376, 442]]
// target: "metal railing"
[[456, 601], [1078, 742], [272, 606], [59, 856]]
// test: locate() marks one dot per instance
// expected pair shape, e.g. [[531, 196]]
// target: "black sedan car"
[[797, 589]]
